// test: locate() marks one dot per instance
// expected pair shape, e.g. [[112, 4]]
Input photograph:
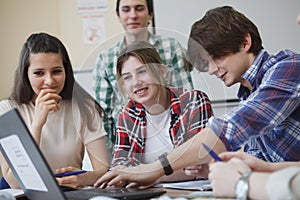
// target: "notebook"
[[33, 172]]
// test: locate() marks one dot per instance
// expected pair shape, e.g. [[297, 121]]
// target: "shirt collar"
[[251, 74], [121, 45], [175, 101], [152, 39]]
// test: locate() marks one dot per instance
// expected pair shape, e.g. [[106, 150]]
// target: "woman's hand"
[[73, 181], [66, 169], [46, 101], [198, 171], [141, 176], [120, 183]]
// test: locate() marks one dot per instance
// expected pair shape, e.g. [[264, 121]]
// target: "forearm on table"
[[178, 175], [257, 185], [92, 176], [281, 165], [191, 152]]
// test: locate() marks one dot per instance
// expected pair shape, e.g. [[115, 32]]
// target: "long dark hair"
[[22, 91]]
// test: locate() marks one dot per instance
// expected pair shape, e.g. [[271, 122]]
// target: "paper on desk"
[[14, 192], [199, 194], [202, 185]]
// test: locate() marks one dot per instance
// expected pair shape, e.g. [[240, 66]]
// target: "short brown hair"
[[149, 5], [222, 31]]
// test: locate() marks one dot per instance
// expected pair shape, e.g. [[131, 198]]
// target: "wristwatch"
[[165, 163], [242, 186]]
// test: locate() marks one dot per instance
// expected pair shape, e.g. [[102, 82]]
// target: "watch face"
[[241, 190]]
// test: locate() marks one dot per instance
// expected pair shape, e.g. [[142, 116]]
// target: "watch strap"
[[165, 163], [245, 179]]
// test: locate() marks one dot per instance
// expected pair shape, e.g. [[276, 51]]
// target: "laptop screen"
[[25, 159]]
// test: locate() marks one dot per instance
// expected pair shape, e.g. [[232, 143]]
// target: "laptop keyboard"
[[80, 195], [118, 193]]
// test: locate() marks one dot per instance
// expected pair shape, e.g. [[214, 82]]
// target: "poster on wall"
[[93, 29], [85, 6]]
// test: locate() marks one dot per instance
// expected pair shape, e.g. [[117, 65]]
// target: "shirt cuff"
[[215, 124]]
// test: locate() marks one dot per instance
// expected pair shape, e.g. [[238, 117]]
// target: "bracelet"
[[165, 163]]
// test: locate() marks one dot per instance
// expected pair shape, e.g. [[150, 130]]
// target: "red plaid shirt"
[[190, 111]]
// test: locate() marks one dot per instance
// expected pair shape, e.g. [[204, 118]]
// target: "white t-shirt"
[[63, 136], [158, 139]]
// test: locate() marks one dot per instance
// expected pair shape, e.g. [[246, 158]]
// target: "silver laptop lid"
[[26, 160]]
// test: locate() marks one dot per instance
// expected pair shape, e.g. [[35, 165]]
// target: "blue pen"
[[70, 173], [211, 152]]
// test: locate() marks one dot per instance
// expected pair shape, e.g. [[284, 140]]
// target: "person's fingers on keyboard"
[[132, 185]]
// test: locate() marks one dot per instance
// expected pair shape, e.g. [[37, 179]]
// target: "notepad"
[[201, 185], [14, 192]]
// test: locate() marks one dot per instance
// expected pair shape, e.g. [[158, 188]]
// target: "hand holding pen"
[[59, 175], [211, 153]]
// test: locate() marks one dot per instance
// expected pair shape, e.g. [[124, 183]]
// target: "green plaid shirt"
[[105, 84]]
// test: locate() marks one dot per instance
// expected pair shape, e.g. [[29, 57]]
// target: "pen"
[[211, 152], [70, 173]]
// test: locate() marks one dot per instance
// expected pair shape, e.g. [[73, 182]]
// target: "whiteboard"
[[84, 77], [275, 19]]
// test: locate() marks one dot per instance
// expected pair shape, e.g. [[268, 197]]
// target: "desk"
[[171, 194], [184, 194]]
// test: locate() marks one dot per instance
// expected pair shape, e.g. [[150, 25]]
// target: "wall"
[[18, 19], [276, 20]]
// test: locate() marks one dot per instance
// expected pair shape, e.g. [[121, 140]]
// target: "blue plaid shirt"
[[267, 120]]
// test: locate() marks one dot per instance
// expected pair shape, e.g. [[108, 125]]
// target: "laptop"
[[33, 172]]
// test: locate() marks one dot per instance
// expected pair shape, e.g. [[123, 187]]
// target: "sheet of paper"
[[93, 29], [27, 172], [14, 192], [199, 194], [92, 6], [202, 185]]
